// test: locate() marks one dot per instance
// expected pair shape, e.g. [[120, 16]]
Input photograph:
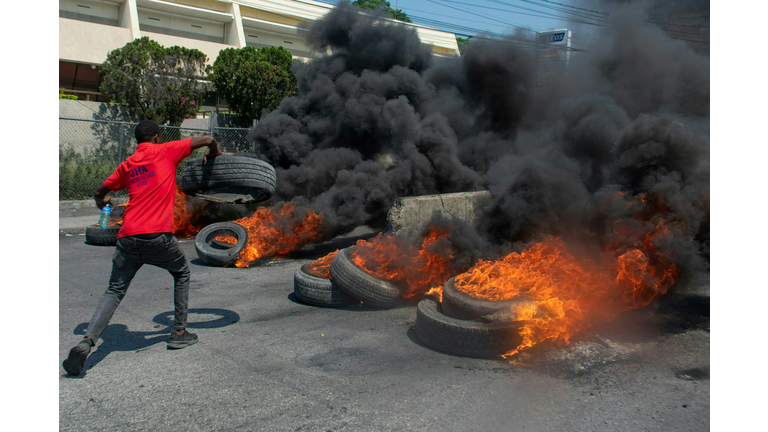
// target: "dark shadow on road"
[[116, 337], [228, 317], [411, 333]]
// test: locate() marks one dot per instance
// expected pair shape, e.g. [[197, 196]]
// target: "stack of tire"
[[463, 325], [95, 235], [319, 291], [229, 175], [459, 324], [226, 176], [348, 284]]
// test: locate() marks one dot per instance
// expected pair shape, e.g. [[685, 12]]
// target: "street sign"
[[553, 53]]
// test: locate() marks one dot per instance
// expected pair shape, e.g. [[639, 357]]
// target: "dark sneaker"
[[182, 340], [77, 355]]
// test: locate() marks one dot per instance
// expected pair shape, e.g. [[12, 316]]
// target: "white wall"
[[88, 42], [85, 42]]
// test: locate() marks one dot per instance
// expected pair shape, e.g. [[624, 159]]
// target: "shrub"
[[80, 173], [66, 96]]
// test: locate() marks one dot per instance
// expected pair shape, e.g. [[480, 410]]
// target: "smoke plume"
[[623, 137]]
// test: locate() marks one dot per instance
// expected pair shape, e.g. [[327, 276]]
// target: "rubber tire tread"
[[229, 171], [462, 337], [360, 285], [95, 235], [220, 257], [459, 305], [317, 291]]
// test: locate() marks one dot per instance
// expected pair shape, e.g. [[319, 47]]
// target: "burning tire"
[[362, 286], [459, 305], [317, 291], [229, 178], [97, 236], [216, 253], [463, 337]]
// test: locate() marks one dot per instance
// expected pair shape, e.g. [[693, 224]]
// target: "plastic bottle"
[[106, 212]]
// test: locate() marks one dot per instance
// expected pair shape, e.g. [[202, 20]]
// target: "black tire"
[[216, 253], [361, 286], [228, 176], [95, 235], [462, 337], [459, 305], [317, 291], [118, 211]]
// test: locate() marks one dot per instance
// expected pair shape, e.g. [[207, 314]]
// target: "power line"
[[507, 10], [470, 31], [482, 16], [574, 7], [560, 17]]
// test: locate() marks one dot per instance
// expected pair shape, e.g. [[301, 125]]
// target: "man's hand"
[[206, 141], [101, 198], [212, 153]]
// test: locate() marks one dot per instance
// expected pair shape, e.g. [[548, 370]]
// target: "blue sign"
[[554, 37]]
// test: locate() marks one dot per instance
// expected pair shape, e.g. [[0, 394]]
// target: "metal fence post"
[[120, 145], [253, 141]]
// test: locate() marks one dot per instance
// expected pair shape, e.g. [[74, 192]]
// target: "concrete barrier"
[[408, 215]]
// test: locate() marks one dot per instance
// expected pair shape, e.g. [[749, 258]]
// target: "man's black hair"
[[145, 130]]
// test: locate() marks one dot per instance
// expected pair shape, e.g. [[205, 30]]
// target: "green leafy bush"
[[66, 96], [80, 173], [253, 79]]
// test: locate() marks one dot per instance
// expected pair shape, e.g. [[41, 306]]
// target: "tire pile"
[[463, 325], [95, 235], [344, 285], [226, 178], [229, 178], [457, 324]]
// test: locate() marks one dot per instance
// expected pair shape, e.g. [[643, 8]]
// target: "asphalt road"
[[269, 363]]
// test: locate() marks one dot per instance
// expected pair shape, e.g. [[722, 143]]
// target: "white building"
[[90, 29]]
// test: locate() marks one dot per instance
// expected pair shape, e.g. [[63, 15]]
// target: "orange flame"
[[436, 291], [395, 259], [226, 239], [570, 293], [321, 267], [278, 230], [183, 215]]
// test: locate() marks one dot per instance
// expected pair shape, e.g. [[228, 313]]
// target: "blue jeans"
[[130, 254]]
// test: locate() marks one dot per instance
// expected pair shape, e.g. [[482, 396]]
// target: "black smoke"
[[381, 118]]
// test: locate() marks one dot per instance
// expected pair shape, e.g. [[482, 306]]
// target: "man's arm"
[[206, 141], [101, 196]]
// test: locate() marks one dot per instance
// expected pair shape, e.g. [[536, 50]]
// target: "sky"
[[496, 18], [472, 17]]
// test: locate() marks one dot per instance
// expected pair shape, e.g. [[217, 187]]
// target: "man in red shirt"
[[146, 236]]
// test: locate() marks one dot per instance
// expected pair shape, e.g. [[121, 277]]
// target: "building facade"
[[90, 29]]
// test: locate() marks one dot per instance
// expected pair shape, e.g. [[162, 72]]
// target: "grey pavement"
[[270, 363]]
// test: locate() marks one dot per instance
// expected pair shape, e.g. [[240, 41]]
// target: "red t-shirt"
[[150, 176]]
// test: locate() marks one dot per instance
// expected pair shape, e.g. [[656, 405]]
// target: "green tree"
[[252, 79], [156, 83], [462, 42], [397, 14]]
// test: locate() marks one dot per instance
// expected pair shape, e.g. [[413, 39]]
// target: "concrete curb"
[[408, 215], [72, 205]]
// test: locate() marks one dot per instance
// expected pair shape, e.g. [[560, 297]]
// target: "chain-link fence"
[[91, 150]]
